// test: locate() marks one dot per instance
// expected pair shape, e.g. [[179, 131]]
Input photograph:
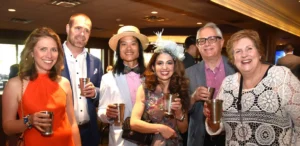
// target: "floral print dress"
[[154, 108]]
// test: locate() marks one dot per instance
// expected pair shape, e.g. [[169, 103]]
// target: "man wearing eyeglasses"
[[210, 72]]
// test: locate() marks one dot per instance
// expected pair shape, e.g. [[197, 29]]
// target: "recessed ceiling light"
[[154, 12], [199, 23], [121, 25], [11, 10]]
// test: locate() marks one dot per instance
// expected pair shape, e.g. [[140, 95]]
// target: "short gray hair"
[[210, 25]]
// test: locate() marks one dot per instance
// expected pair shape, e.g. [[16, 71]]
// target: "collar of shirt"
[[68, 53], [131, 67], [289, 53], [218, 67]]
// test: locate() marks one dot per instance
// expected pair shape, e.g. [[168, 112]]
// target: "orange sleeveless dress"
[[44, 94]]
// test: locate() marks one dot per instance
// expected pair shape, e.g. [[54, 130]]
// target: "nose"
[[244, 53], [82, 32], [164, 66], [49, 54]]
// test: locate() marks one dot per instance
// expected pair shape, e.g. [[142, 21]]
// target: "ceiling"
[[180, 16]]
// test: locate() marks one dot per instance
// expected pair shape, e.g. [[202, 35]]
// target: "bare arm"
[[10, 99], [177, 107], [139, 125], [65, 84]]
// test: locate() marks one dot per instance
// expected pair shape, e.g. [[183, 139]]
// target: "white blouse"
[[270, 112]]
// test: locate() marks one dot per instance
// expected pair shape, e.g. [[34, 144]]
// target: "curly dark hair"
[[178, 82]]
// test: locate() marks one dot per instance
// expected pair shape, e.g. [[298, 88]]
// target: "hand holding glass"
[[118, 121], [82, 83], [48, 130]]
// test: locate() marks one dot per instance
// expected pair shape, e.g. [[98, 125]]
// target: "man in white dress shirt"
[[79, 63]]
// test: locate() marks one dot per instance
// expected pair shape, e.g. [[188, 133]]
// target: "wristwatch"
[[27, 122], [182, 118]]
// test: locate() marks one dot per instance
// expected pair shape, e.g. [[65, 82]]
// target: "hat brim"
[[113, 41]]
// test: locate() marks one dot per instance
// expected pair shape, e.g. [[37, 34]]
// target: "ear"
[[67, 29], [222, 42]]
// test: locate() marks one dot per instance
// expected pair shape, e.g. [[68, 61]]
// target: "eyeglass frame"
[[208, 38]]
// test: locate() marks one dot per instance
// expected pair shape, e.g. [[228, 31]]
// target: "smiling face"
[[246, 56], [209, 50], [79, 32], [129, 50], [45, 54], [164, 67]]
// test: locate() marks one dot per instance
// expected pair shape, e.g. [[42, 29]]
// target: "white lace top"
[[270, 111]]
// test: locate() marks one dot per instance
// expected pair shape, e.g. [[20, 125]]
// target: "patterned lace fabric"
[[154, 105], [270, 111]]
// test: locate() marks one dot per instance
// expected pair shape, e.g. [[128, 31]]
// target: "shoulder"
[[232, 77], [63, 82], [276, 68], [194, 67], [13, 83], [108, 76], [94, 58]]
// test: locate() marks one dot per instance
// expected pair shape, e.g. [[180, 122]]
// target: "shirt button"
[[76, 60], [79, 97], [80, 110], [77, 73]]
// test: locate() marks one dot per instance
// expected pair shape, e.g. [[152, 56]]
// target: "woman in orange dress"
[[39, 87]]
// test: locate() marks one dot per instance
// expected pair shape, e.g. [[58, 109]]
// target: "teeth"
[[164, 73], [246, 61], [48, 61]]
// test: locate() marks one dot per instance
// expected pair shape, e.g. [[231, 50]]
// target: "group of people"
[[260, 101]]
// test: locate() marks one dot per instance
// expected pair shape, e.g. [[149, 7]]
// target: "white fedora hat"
[[128, 31]]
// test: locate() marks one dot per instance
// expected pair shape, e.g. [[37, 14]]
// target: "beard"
[[78, 41]]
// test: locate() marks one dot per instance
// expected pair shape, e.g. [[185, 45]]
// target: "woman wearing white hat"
[[120, 85]]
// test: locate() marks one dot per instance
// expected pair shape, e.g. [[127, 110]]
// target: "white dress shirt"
[[78, 69]]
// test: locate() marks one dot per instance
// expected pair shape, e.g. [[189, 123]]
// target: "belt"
[[84, 126]]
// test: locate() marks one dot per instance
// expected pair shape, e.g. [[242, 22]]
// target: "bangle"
[[27, 121], [181, 118]]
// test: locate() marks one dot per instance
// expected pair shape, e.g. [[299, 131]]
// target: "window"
[[7, 58]]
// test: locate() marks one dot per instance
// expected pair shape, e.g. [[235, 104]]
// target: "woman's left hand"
[[176, 105]]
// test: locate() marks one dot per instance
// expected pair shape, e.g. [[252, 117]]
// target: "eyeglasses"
[[211, 39]]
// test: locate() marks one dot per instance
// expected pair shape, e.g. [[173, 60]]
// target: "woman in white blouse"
[[267, 112]]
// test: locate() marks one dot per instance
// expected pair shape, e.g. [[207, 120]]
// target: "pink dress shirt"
[[215, 77]]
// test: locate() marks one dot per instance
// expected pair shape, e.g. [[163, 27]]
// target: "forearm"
[[181, 125], [145, 127], [14, 126], [76, 135]]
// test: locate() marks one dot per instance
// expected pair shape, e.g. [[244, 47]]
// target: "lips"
[[246, 61], [164, 73], [48, 61]]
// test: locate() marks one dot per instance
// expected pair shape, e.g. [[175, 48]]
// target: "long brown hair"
[[178, 82], [27, 65]]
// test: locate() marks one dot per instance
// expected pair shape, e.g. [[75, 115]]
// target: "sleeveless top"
[[154, 105], [44, 94]]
